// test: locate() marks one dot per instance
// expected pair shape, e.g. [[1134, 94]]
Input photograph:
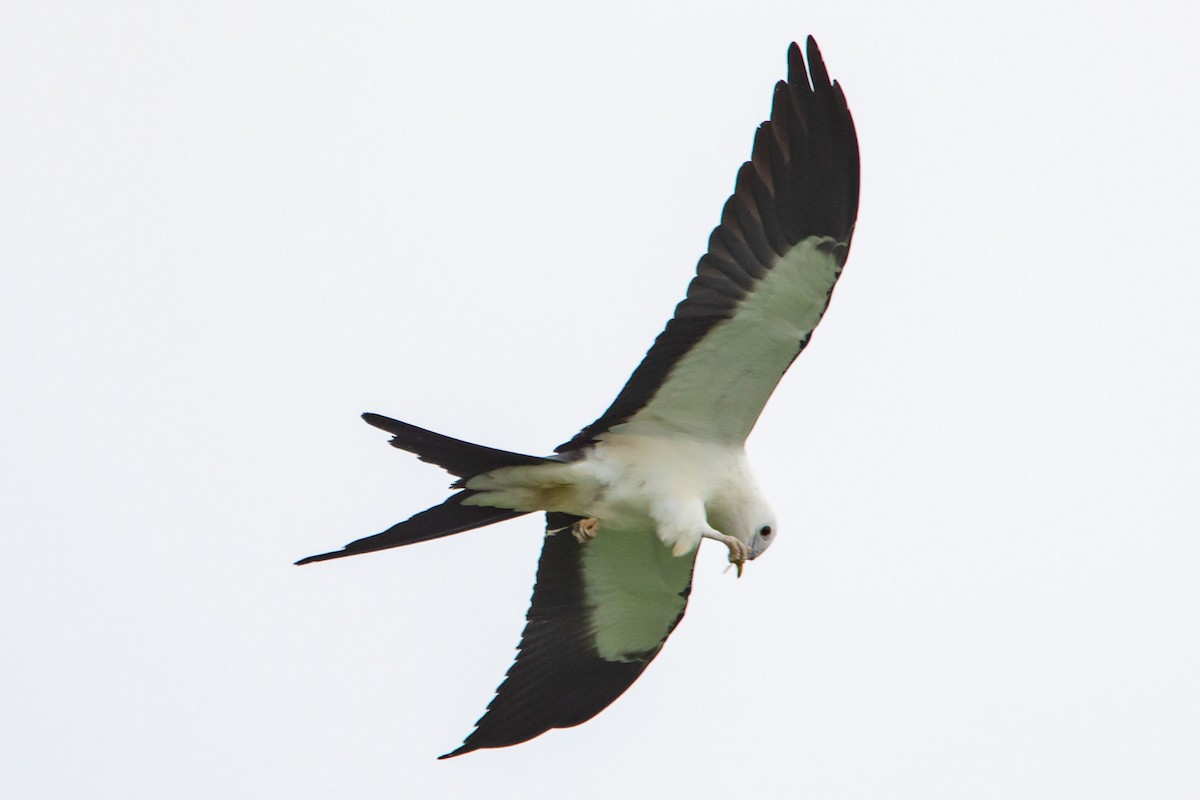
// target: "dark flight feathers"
[[801, 180], [558, 679]]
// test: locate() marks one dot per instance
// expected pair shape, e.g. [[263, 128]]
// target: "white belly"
[[630, 481]]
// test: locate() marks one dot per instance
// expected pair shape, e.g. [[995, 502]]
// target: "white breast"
[[638, 472]]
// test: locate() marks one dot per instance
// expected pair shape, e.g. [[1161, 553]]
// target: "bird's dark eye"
[[764, 531]]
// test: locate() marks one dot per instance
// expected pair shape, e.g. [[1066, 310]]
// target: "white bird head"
[[748, 518], [762, 538]]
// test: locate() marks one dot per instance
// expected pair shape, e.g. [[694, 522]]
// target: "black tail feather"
[[457, 457], [442, 520]]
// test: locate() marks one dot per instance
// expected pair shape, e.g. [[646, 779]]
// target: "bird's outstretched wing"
[[601, 611], [766, 279]]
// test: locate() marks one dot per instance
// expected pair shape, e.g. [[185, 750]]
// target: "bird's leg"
[[585, 530], [738, 551]]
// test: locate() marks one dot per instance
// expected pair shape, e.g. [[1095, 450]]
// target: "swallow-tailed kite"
[[629, 498]]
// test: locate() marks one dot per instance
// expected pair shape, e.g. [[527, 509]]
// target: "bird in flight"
[[630, 497]]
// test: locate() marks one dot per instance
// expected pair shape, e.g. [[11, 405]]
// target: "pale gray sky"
[[226, 229]]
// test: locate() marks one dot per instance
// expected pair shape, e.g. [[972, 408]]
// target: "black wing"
[[601, 611], [766, 279]]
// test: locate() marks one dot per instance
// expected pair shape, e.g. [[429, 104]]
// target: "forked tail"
[[461, 459]]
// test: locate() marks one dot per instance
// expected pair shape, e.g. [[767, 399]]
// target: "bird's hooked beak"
[[756, 549], [753, 554]]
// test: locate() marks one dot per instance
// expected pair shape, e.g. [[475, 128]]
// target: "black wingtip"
[[816, 66], [378, 420], [321, 557], [797, 73], [461, 751]]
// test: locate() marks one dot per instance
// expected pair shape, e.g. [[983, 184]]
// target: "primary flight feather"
[[630, 497]]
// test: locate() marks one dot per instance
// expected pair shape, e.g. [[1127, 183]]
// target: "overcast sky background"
[[228, 228]]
